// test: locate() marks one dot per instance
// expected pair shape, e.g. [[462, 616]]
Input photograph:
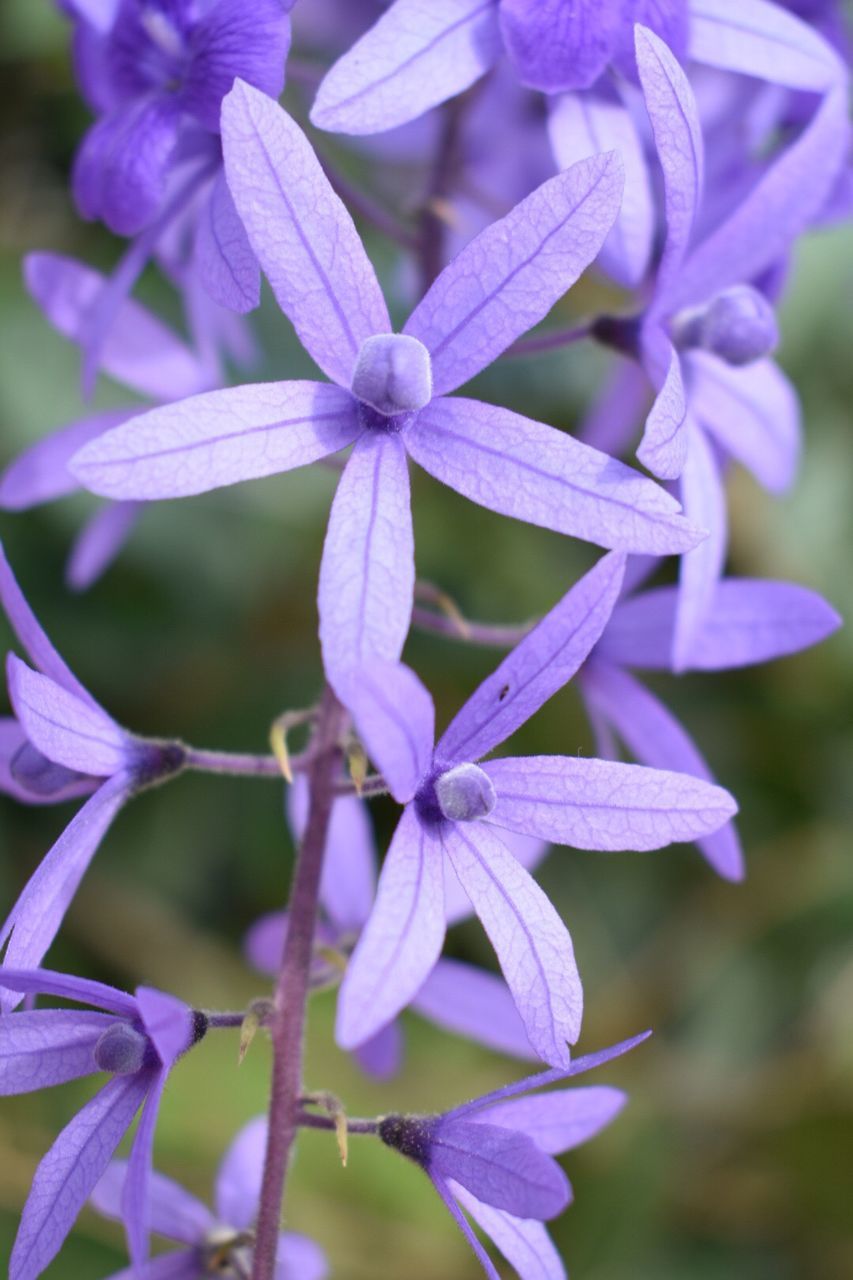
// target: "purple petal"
[[599, 804], [238, 1181], [174, 1213], [610, 422], [263, 944], [556, 46], [678, 139], [99, 543], [348, 884], [101, 14], [182, 1265], [522, 468], [402, 939], [762, 40], [86, 991], [528, 851], [302, 234], [138, 350], [228, 43], [500, 1167], [36, 917], [67, 1174], [561, 1120], [381, 1056], [218, 439], [413, 58], [586, 124], [224, 259], [544, 661], [664, 445], [461, 1221], [473, 1003], [509, 277], [135, 1206], [656, 738], [67, 730], [27, 776], [395, 719], [524, 1242], [44, 1047], [299, 1258], [168, 1021], [700, 569], [367, 575], [40, 474], [529, 938], [752, 412]]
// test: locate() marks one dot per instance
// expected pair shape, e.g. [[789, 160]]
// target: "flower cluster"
[[679, 150]]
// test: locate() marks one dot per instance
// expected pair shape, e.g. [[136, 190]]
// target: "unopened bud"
[[465, 793], [393, 374], [121, 1049], [738, 325]]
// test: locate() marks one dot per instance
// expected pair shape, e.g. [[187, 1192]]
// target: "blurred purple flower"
[[137, 1039]]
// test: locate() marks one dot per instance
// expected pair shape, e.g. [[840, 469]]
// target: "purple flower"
[[455, 996], [749, 621], [454, 808], [137, 1040], [391, 394], [493, 1157], [217, 1242], [60, 744]]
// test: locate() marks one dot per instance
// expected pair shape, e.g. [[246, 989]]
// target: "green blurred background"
[[734, 1159]]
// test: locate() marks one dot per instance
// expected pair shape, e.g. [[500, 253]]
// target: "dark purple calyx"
[[153, 761], [621, 333], [392, 381], [738, 325], [123, 1050], [410, 1135]]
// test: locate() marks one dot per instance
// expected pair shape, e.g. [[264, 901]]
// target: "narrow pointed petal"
[[529, 938], [664, 445], [67, 730], [780, 206], [678, 139], [763, 40], [402, 940], [381, 1056], [473, 1003], [654, 737], [168, 1021], [367, 576], [395, 719], [618, 410], [37, 915], [443, 1189], [224, 259], [753, 413], [238, 1181], [560, 1120], [40, 474], [599, 804], [219, 438], [68, 1173], [135, 1205], [525, 469], [527, 850], [418, 54], [544, 661], [29, 777], [34, 981], [175, 1213], [586, 124], [44, 1047], [500, 1167], [348, 883], [99, 543], [524, 1242], [303, 236], [509, 277], [700, 569]]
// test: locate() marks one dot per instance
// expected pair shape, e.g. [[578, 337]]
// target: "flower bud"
[[121, 1049], [738, 325], [393, 374], [465, 793]]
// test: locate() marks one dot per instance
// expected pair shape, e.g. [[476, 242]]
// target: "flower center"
[[465, 793], [738, 325], [226, 1252], [392, 380], [121, 1049]]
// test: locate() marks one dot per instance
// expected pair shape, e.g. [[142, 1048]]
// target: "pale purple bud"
[[465, 793], [738, 325], [121, 1049], [393, 374]]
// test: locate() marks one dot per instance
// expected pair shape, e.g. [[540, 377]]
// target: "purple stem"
[[306, 1120], [484, 633], [550, 341], [234, 764], [287, 1024]]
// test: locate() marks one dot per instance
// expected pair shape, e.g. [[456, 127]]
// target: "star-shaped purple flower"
[[391, 397], [455, 808], [137, 1040], [217, 1242]]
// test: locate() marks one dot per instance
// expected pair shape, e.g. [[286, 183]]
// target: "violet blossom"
[[455, 809]]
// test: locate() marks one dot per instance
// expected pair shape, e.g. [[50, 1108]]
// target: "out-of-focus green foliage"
[[733, 1159]]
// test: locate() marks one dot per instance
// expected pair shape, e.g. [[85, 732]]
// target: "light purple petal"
[[224, 259], [367, 575], [219, 438], [664, 445], [29, 777], [348, 883], [381, 1056], [473, 1003], [556, 46], [135, 1206], [238, 1181], [700, 569], [678, 139], [40, 473], [101, 14], [168, 1021], [402, 939], [762, 40], [138, 350], [443, 1189], [67, 1174], [263, 944], [529, 938], [500, 1167], [418, 54], [67, 730], [586, 124], [611, 420], [599, 804], [528, 851], [544, 661], [395, 719], [561, 1120], [174, 1213], [752, 412], [655, 737], [299, 1258], [524, 1242], [530, 471], [302, 234], [44, 1047], [99, 543], [509, 277], [36, 917], [182, 1265], [35, 981], [228, 42]]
